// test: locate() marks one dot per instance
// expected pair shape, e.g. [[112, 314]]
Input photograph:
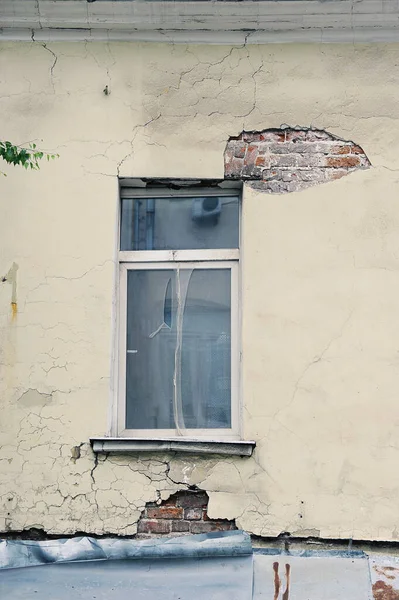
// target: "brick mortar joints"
[[291, 159], [184, 512]]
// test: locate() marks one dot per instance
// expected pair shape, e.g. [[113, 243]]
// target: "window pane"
[[206, 354], [150, 350], [180, 223], [178, 371]]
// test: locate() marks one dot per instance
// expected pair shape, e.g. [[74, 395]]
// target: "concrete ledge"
[[125, 445], [345, 35], [201, 21]]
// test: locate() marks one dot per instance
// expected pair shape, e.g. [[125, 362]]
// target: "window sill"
[[124, 445]]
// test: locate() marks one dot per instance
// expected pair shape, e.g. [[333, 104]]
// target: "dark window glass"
[[180, 223]]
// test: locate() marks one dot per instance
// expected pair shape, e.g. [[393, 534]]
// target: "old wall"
[[320, 284]]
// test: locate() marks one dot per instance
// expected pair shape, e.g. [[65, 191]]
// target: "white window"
[[178, 333]]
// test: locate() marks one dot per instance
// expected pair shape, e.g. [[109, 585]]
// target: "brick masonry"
[[279, 161], [183, 513]]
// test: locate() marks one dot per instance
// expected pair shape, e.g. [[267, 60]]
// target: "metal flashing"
[[124, 445]]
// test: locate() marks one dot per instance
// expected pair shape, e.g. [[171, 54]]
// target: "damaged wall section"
[[280, 161], [184, 512]]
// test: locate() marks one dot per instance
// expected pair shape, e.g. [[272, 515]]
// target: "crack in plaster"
[[104, 473], [297, 386], [159, 484], [136, 129], [55, 57]]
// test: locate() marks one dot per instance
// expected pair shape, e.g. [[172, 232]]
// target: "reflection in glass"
[[178, 349], [179, 223]]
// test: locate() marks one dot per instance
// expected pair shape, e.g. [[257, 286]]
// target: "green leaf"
[[25, 157]]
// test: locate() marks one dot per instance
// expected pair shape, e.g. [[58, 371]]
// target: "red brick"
[[250, 170], [342, 161], [341, 149], [193, 500], [207, 526], [356, 149], [165, 512], [146, 526], [180, 526], [260, 161], [193, 514]]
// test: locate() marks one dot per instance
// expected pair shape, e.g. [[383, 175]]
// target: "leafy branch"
[[27, 157]]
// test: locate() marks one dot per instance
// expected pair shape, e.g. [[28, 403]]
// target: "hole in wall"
[[280, 161]]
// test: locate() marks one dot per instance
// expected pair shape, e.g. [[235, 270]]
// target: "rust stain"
[[276, 581], [11, 278], [383, 591], [388, 572], [287, 582], [14, 310]]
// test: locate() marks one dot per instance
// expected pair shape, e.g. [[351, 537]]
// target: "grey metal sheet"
[[213, 566], [156, 579], [24, 553], [311, 577]]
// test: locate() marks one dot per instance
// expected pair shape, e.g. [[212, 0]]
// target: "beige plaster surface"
[[320, 284]]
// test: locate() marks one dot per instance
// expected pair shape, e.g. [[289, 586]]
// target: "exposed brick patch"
[[279, 161], [183, 513]]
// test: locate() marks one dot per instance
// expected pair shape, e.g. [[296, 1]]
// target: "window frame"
[[171, 259]]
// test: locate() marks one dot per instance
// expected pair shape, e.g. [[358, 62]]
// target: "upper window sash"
[[200, 221]]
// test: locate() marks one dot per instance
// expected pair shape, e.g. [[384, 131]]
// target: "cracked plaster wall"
[[320, 284]]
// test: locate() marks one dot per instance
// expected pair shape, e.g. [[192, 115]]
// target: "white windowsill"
[[197, 446]]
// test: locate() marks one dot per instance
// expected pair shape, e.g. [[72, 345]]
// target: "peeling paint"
[[32, 398], [75, 453], [319, 285]]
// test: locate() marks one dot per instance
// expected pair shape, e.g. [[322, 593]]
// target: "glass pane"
[[150, 350], [206, 352], [180, 223], [178, 363]]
